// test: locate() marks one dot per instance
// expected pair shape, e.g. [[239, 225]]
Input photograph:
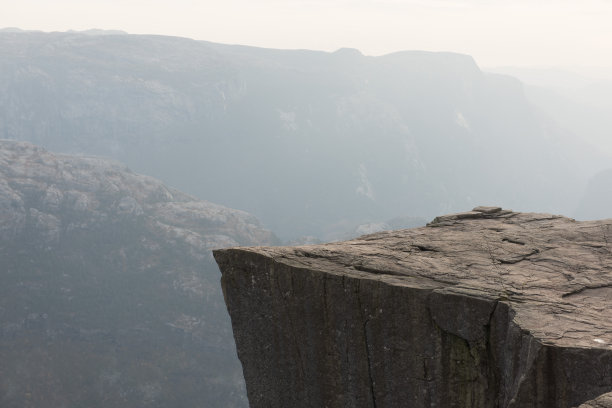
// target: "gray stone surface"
[[487, 308], [604, 401]]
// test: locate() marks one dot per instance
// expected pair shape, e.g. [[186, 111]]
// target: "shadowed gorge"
[[488, 308]]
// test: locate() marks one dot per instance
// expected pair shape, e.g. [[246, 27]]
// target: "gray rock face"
[[47, 191], [109, 296], [605, 401], [488, 308]]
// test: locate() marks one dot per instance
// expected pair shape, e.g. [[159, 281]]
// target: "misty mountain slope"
[[597, 200], [586, 112], [312, 143], [580, 104], [109, 296]]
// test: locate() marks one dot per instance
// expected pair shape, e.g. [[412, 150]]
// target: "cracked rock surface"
[[487, 308], [604, 401]]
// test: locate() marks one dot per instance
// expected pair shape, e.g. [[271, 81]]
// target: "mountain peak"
[[348, 52]]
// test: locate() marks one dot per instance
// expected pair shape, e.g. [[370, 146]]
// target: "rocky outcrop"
[[49, 191], [109, 295], [487, 308], [605, 401]]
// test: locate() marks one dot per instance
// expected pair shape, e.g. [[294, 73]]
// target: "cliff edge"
[[487, 308]]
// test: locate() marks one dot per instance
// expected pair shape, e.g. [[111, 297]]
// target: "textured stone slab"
[[487, 308], [605, 401]]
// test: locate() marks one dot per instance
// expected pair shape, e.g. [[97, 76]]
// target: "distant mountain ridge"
[[313, 143], [109, 296]]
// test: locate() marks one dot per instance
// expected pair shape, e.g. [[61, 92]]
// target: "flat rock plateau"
[[487, 308]]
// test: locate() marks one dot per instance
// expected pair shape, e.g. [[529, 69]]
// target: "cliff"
[[109, 296], [488, 308]]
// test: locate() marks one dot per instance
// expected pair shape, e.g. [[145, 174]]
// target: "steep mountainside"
[[597, 199], [580, 104], [312, 143], [483, 309], [109, 296]]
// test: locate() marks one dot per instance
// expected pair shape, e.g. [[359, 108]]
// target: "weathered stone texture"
[[604, 401], [488, 308]]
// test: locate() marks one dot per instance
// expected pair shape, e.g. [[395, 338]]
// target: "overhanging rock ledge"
[[487, 308]]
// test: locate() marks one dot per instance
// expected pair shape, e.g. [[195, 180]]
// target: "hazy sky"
[[495, 32]]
